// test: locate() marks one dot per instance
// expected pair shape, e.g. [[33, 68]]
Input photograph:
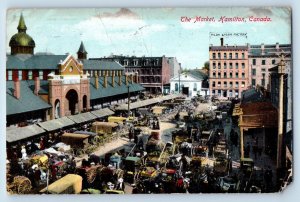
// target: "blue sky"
[[149, 32]]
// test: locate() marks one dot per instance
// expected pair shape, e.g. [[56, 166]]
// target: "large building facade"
[[261, 59], [41, 87], [229, 71]]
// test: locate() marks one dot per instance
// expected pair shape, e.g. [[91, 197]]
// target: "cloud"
[[123, 12]]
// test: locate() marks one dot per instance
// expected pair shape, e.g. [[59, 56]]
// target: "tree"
[[206, 66]]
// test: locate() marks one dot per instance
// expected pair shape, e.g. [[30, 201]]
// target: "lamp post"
[[281, 72]]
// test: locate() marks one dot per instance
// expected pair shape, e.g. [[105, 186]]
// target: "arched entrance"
[[57, 109], [84, 102], [72, 99]]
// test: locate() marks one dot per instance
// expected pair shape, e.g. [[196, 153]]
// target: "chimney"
[[113, 79], [105, 79], [126, 79], [131, 78], [222, 41], [120, 77], [96, 81], [17, 92], [37, 85]]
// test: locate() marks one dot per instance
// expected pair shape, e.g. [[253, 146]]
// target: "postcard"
[[149, 100]]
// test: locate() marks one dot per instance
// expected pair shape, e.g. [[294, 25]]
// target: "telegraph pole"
[[281, 72], [128, 113]]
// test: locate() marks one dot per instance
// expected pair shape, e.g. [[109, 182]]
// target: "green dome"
[[21, 39]]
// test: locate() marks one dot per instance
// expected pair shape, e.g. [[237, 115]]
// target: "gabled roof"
[[34, 62], [196, 74], [101, 65], [27, 102], [81, 48]]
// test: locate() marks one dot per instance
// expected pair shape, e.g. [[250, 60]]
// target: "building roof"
[[102, 112], [33, 62], [82, 117], [102, 92], [251, 95], [81, 48], [56, 124], [27, 102], [101, 65], [14, 134], [198, 74], [227, 48], [21, 38]]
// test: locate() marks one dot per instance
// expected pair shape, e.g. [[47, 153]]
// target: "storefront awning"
[[56, 124], [19, 133], [83, 117], [102, 112]]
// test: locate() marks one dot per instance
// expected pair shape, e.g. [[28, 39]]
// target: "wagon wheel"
[[91, 175], [23, 184]]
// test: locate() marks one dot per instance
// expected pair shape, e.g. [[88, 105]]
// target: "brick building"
[[229, 72], [40, 87], [153, 72], [261, 59]]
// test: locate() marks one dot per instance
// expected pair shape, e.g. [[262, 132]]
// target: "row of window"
[[263, 82], [230, 75], [27, 75], [137, 62], [230, 65], [230, 56], [226, 84], [146, 79], [147, 71], [263, 62], [225, 93]]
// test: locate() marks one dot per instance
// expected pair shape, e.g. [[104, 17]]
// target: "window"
[[10, 75], [219, 93], [253, 72], [236, 55], [20, 75], [230, 84], [230, 65], [195, 87], [243, 55], [263, 69], [230, 93], [230, 75], [225, 84], [214, 75], [230, 55], [213, 92], [214, 55], [236, 75], [263, 62], [30, 75], [176, 86], [213, 84], [214, 65], [225, 55], [253, 82], [254, 61], [243, 65], [225, 65], [125, 62], [236, 93], [135, 62], [219, 55], [225, 75], [236, 65], [243, 75], [273, 62], [219, 65], [243, 84], [219, 75], [219, 83], [41, 74], [156, 62], [236, 84]]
